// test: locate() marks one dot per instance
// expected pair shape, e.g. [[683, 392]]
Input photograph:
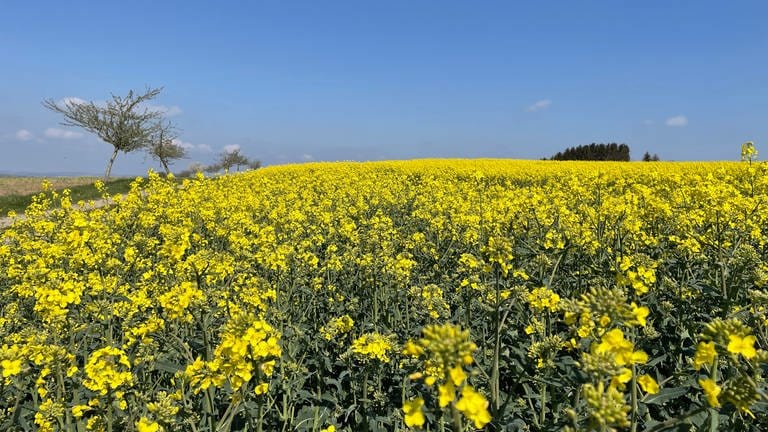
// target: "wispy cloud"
[[61, 133], [23, 135], [231, 148], [204, 148], [539, 105], [182, 144], [307, 157], [72, 100], [677, 121], [168, 111]]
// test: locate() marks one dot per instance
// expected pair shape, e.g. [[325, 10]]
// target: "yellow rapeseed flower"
[[261, 388], [711, 390], [640, 313], [543, 298], [107, 370], [705, 355], [604, 321], [146, 425], [623, 350], [446, 393], [624, 376], [457, 375], [79, 410], [648, 384], [374, 346], [742, 345], [414, 414], [474, 406], [337, 326], [412, 349], [10, 367]]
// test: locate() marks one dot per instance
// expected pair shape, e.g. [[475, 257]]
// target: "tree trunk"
[[165, 165], [109, 165]]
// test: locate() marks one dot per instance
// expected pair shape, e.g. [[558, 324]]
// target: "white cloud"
[[23, 135], [192, 147], [61, 133], [540, 105], [173, 111], [307, 157], [182, 144], [231, 148], [72, 100], [677, 121]]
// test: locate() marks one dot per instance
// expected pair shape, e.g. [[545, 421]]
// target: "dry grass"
[[31, 185]]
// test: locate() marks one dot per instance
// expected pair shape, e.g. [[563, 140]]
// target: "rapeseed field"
[[389, 296]]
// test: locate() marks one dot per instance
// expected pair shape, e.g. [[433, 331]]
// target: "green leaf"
[[167, 366], [656, 360], [665, 395]]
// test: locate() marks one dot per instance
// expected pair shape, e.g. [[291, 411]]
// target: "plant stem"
[[675, 422], [60, 394], [633, 398], [456, 419], [495, 372], [209, 407], [109, 412], [714, 414]]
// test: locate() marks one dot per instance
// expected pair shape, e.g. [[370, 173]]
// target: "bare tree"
[[123, 123], [229, 159], [164, 146], [232, 158], [212, 168]]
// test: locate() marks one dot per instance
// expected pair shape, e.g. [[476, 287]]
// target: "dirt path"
[[33, 185], [5, 222]]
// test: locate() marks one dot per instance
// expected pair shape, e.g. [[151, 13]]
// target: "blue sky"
[[291, 81]]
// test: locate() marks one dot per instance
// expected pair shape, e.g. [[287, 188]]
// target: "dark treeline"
[[595, 152], [647, 157]]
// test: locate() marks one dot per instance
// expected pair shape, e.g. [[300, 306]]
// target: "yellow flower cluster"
[[107, 370], [623, 350], [543, 298], [47, 415], [748, 151], [248, 347], [11, 361], [179, 298], [723, 348], [640, 276], [337, 326], [445, 350], [430, 299], [374, 346]]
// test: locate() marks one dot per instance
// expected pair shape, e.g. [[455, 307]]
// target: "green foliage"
[[163, 145], [17, 203], [232, 159], [595, 152], [121, 122], [647, 157]]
